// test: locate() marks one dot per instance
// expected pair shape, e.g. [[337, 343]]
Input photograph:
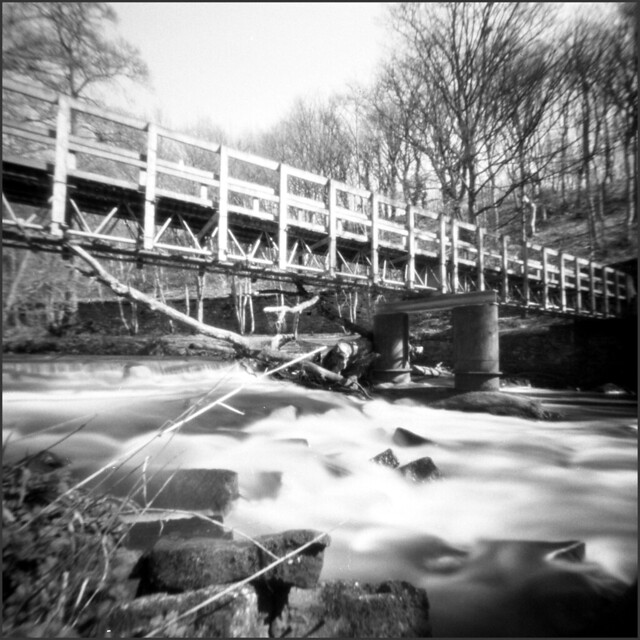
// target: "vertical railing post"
[[592, 287], [282, 218], [563, 285], [333, 228], [605, 290], [411, 247], [578, 285], [525, 269], [480, 257], [617, 292], [545, 279], [223, 205], [442, 242], [59, 200], [505, 268], [149, 225], [375, 240], [454, 255]]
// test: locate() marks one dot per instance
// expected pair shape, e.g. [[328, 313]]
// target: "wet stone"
[[176, 565], [234, 615], [421, 470], [405, 438], [496, 403], [143, 534], [212, 490], [344, 609], [387, 459]]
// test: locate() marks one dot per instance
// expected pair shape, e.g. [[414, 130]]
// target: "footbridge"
[[132, 190]]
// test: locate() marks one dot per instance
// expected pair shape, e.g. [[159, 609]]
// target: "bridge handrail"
[[458, 243]]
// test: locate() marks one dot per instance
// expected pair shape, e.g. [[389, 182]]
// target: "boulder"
[[176, 565], [212, 490], [405, 438], [496, 403], [420, 470], [143, 534], [234, 615], [351, 610], [387, 459]]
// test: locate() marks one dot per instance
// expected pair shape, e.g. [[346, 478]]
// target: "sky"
[[242, 65]]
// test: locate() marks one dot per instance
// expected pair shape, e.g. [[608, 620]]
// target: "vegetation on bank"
[[60, 559]]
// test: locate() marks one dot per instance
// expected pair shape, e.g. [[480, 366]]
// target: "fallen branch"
[[240, 344]]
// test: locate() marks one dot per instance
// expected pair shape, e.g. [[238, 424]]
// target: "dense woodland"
[[521, 117]]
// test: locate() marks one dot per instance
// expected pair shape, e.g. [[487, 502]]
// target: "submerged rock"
[[351, 610], [496, 403], [405, 438], [420, 470], [387, 459], [176, 565]]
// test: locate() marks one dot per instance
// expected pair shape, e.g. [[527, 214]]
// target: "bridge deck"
[[132, 190]]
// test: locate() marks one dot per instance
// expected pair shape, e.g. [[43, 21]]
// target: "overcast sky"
[[243, 64]]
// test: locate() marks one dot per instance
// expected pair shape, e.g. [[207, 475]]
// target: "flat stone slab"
[[143, 534], [175, 565], [343, 609], [234, 615], [211, 490]]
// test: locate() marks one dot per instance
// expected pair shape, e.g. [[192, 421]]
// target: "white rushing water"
[[481, 541]]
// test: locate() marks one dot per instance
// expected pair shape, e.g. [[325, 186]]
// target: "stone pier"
[[475, 338]]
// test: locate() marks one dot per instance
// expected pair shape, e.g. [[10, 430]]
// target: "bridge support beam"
[[391, 341], [476, 348]]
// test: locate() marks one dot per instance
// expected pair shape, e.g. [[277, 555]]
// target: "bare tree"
[[66, 46], [459, 58]]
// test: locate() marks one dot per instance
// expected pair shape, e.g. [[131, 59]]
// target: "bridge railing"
[[310, 224]]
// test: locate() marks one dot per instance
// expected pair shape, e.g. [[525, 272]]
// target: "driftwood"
[[242, 347], [296, 310], [240, 344]]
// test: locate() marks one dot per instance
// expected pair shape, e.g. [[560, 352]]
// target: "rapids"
[[491, 542]]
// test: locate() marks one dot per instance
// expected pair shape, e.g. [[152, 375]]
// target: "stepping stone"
[[234, 615], [146, 531], [180, 565], [343, 609]]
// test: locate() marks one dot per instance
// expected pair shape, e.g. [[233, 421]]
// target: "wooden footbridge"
[[132, 190]]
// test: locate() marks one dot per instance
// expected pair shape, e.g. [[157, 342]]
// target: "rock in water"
[[234, 615], [496, 403], [351, 610], [176, 565], [405, 438], [143, 534], [387, 459], [420, 470], [211, 490]]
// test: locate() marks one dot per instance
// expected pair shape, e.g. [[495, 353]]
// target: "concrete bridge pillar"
[[391, 341], [476, 348]]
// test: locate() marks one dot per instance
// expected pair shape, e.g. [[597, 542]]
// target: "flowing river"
[[492, 542]]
